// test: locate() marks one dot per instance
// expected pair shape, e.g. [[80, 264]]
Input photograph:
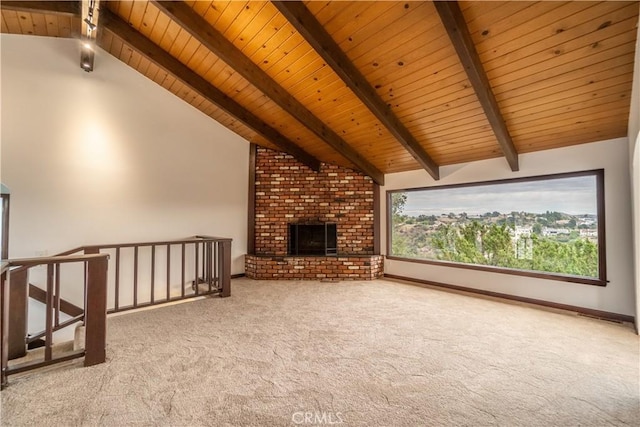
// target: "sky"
[[574, 195]]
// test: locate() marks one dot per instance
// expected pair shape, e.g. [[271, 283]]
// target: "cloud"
[[574, 195]]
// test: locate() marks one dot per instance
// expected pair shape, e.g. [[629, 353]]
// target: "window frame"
[[600, 203]]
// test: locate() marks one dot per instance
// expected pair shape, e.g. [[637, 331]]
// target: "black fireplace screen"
[[313, 239]]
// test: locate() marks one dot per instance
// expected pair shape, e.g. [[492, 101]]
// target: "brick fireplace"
[[288, 192]]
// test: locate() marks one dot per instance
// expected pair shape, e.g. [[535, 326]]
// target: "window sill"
[[536, 274]]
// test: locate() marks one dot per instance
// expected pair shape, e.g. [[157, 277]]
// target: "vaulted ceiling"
[[378, 86]]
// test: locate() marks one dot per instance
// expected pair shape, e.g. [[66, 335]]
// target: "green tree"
[[398, 202], [497, 246], [401, 246], [490, 242], [578, 257], [444, 241], [475, 243], [537, 228]]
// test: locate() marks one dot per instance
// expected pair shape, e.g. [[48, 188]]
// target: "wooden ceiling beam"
[[213, 40], [317, 36], [453, 21], [66, 8], [154, 53]]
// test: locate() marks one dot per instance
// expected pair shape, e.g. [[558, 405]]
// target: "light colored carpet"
[[375, 353]]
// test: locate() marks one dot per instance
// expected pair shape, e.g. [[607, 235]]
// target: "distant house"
[[522, 242], [587, 221], [548, 231], [588, 233], [522, 231]]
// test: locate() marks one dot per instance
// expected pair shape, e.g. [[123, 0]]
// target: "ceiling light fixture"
[[89, 26]]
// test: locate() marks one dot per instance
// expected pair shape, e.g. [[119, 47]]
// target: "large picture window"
[[549, 226]]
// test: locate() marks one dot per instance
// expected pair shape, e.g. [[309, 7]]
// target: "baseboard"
[[237, 276], [581, 310]]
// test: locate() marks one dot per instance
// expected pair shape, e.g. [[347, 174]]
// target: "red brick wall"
[[288, 191]]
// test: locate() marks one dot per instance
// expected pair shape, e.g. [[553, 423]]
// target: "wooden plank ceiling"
[[378, 86]]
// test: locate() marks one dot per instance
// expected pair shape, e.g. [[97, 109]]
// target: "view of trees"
[[551, 242]]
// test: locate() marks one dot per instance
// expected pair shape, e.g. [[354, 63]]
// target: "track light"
[[90, 10], [90, 24]]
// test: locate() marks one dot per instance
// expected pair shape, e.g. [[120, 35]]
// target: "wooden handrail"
[[71, 251], [198, 238], [62, 325], [4, 266], [33, 262], [195, 239], [211, 255], [209, 273], [95, 313], [221, 239], [66, 307]]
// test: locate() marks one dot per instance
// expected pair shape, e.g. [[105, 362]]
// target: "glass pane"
[[547, 224]]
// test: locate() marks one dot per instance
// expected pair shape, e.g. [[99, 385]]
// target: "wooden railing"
[[152, 273], [128, 276], [95, 312]]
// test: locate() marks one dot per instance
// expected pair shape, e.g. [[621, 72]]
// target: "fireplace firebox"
[[313, 239]]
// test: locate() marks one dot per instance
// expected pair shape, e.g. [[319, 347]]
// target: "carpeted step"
[[35, 354]]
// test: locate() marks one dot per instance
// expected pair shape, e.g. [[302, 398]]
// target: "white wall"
[[612, 155], [634, 156], [110, 156], [634, 114], [635, 189]]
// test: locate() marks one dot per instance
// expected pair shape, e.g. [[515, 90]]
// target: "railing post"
[[96, 310], [17, 306], [224, 263], [48, 339], [4, 327], [209, 263]]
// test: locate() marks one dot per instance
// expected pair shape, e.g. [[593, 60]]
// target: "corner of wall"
[[634, 112], [634, 156], [635, 219]]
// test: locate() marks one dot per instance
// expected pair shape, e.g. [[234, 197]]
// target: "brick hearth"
[[265, 267], [286, 191]]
